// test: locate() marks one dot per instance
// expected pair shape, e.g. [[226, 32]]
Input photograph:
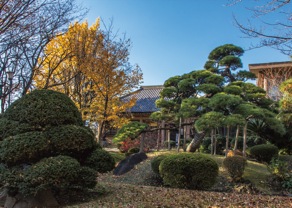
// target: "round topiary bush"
[[42, 108], [101, 161], [235, 166], [264, 152], [43, 146], [191, 171], [155, 162]]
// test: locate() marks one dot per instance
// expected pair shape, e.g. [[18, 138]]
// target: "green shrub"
[[12, 128], [186, 170], [80, 139], [24, 148], [42, 143], [264, 152], [54, 172], [42, 108], [101, 161], [235, 166], [281, 169], [155, 162]]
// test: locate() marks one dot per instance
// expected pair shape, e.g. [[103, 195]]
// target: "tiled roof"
[[146, 97]]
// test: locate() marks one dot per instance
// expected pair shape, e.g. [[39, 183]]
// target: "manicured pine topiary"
[[264, 152], [43, 147], [235, 166], [187, 170]]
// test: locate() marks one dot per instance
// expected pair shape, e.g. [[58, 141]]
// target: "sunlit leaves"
[[92, 67]]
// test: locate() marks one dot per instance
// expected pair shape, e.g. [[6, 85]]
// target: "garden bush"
[[235, 166], [191, 171], [264, 152], [43, 146], [24, 148], [80, 138], [43, 108], [155, 162], [101, 161]]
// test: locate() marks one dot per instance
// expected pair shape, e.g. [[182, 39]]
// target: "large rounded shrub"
[[264, 152], [155, 163], [42, 108], [101, 161], [235, 166], [43, 146], [191, 171]]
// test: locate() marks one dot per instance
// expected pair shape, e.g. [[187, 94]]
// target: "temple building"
[[271, 75]]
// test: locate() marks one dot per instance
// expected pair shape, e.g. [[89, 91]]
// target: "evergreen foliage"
[[264, 152], [44, 144], [101, 161], [191, 171], [235, 166], [155, 162]]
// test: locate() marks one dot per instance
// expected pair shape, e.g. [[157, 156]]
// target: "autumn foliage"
[[92, 67]]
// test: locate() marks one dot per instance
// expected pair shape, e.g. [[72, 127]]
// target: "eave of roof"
[[255, 68]]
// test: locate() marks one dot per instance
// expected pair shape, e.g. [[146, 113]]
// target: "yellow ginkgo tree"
[[92, 67]]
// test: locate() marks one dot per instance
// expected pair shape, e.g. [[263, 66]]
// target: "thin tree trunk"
[[227, 141], [179, 130], [212, 141], [244, 140], [158, 139], [142, 140], [185, 140], [215, 142], [163, 134], [236, 137], [168, 140], [196, 142]]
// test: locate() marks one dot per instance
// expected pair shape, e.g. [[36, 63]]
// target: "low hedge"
[[264, 152], [191, 171]]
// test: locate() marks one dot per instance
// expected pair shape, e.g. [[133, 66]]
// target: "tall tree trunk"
[[185, 139], [163, 134], [236, 137], [142, 141], [168, 140], [100, 132], [244, 140], [196, 142], [227, 141], [215, 142], [158, 139], [212, 141], [179, 131]]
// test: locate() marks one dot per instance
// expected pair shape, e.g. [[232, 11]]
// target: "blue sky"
[[173, 37]]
